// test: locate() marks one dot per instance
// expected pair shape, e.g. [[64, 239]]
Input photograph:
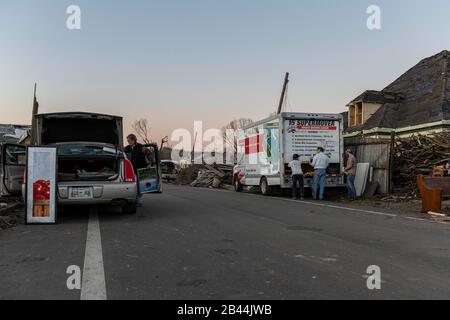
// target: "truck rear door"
[[13, 162], [304, 133]]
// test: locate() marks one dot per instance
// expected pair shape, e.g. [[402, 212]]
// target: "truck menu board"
[[303, 136]]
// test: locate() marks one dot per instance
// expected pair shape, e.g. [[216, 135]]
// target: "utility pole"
[[33, 116], [283, 93], [193, 149]]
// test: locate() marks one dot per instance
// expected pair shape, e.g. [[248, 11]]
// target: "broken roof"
[[419, 96], [373, 96]]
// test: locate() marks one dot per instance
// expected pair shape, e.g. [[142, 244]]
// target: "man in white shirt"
[[350, 171], [320, 164], [297, 176]]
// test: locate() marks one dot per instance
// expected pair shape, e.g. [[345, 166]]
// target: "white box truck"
[[265, 148]]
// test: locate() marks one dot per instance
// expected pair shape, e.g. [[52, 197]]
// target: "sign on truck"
[[266, 147]]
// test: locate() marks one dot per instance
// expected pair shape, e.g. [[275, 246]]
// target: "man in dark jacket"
[[136, 152], [137, 155]]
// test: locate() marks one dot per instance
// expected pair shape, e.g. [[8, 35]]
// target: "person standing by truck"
[[350, 170], [297, 176], [447, 168], [320, 164]]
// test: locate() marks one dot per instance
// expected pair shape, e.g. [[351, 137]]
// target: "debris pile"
[[187, 174], [11, 212], [204, 175], [417, 155], [205, 178]]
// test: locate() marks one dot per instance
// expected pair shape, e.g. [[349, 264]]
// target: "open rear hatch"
[[88, 143], [55, 128]]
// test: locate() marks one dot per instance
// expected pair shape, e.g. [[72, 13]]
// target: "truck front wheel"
[[266, 190]]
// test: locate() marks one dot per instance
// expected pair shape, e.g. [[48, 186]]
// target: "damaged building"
[[13, 133], [418, 102]]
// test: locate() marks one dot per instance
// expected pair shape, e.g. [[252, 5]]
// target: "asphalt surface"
[[190, 243]]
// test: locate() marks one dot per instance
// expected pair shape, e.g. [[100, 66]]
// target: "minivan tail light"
[[128, 172], [24, 177]]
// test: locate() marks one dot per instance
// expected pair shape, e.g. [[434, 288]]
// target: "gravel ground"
[[13, 214], [406, 205]]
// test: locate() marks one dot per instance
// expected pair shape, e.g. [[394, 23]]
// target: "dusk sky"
[[174, 62]]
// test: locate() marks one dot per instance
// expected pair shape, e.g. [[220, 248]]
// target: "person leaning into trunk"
[[297, 176], [320, 164], [350, 170], [136, 151]]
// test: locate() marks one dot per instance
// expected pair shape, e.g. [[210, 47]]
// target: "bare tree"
[[230, 132], [142, 129]]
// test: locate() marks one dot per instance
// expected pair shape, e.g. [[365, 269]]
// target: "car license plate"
[[81, 193]]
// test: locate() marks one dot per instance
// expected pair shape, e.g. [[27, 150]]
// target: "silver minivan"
[[91, 166], [12, 166]]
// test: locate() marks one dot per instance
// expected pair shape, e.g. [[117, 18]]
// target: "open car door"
[[150, 178], [13, 163]]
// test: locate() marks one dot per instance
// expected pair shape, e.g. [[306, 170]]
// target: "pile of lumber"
[[11, 212], [417, 155], [187, 174], [205, 178], [203, 175]]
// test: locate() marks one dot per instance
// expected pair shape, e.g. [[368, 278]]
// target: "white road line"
[[93, 285], [361, 210], [365, 211], [341, 207], [415, 219]]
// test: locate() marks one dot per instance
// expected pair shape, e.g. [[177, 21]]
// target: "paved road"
[[203, 244]]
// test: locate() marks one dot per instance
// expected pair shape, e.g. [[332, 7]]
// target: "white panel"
[[362, 173], [41, 166]]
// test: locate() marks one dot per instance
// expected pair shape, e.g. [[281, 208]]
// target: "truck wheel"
[[237, 185], [129, 208], [266, 190]]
